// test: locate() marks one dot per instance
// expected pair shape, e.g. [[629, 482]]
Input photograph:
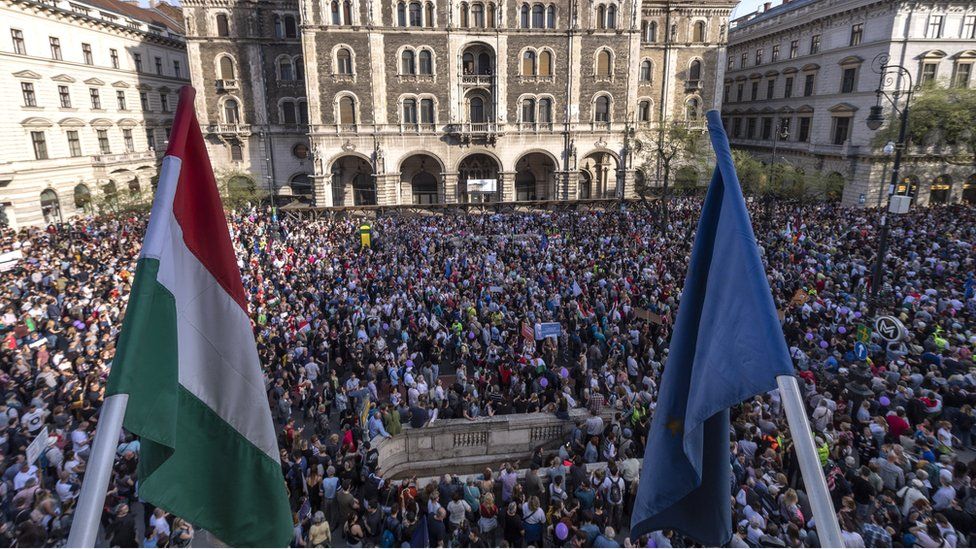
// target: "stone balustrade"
[[463, 446]]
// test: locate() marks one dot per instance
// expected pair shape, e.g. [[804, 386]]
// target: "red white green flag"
[[187, 359]]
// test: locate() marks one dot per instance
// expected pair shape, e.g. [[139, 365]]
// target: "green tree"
[[238, 189], [672, 145], [942, 118]]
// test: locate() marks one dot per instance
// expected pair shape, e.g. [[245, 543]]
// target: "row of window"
[[533, 110], [765, 128], [88, 56], [290, 111], [697, 32], [29, 95], [934, 29], [40, 145], [848, 85]]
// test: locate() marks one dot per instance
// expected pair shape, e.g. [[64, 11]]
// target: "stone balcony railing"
[[461, 445]]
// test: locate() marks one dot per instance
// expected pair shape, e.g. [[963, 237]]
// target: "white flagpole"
[[825, 517], [88, 513]]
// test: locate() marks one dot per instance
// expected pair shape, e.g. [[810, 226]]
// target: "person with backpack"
[[615, 498]]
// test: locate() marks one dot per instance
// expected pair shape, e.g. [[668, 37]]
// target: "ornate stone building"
[[88, 94], [799, 81], [356, 102]]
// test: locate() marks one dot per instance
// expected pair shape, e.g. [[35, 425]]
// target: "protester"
[[427, 326]]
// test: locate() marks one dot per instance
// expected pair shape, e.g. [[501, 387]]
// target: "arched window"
[[484, 63], [651, 35], [478, 14], [426, 111], [336, 14], [528, 111], [291, 27], [699, 34], [551, 17], [82, 197], [409, 111], [645, 70], [545, 111], [401, 14], [601, 111], [467, 63], [347, 12], [464, 15], [50, 206], [611, 16], [694, 71], [491, 16], [545, 63], [223, 25], [426, 62], [289, 115], [279, 30], [601, 17], [538, 16], [477, 110], [407, 62], [416, 15], [692, 110], [429, 14], [232, 113], [226, 68], [286, 71], [299, 69], [344, 61], [347, 110], [603, 64], [528, 63], [644, 111], [524, 19]]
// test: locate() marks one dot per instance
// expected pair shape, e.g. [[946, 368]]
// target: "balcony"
[[477, 80], [230, 130], [535, 126], [226, 85], [107, 160], [474, 132], [693, 85]]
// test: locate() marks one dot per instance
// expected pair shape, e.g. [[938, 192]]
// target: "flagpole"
[[84, 527], [825, 517]]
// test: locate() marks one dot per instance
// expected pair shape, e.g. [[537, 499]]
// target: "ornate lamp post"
[[890, 75]]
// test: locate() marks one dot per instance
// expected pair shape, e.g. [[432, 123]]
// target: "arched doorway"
[[110, 191], [585, 185], [134, 187], [301, 184], [353, 183], [481, 170], [601, 169], [420, 179], [535, 177], [240, 184], [50, 206], [82, 198], [940, 189], [969, 190], [908, 186], [833, 187]]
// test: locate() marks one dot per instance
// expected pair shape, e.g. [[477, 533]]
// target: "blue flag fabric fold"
[[727, 346]]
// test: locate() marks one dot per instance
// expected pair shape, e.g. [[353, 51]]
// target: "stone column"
[[322, 190], [449, 187], [629, 190], [387, 189], [568, 185], [506, 183]]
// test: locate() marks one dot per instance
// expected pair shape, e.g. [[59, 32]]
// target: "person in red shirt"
[[897, 424]]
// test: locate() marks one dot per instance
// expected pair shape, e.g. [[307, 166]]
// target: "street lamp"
[[890, 74], [888, 149], [782, 132]]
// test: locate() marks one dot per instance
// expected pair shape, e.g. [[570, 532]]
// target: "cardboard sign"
[[38, 445], [548, 329], [648, 315], [799, 298]]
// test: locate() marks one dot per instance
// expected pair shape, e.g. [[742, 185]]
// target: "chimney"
[[766, 6]]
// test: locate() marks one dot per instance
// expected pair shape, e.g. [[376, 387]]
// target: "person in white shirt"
[[158, 522], [27, 471]]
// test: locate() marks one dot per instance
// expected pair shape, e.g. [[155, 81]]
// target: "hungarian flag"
[[187, 359]]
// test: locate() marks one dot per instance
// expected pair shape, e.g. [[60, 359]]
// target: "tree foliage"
[[940, 117], [673, 146]]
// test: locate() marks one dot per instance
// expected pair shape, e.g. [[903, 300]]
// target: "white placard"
[[482, 185]]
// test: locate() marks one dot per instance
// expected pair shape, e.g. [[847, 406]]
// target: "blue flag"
[[727, 346]]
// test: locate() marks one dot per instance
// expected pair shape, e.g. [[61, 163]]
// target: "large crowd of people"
[[427, 326]]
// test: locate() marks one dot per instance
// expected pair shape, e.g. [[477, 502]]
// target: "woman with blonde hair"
[[488, 521], [320, 535]]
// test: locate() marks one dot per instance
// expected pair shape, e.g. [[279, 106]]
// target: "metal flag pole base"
[[88, 513], [828, 529]]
